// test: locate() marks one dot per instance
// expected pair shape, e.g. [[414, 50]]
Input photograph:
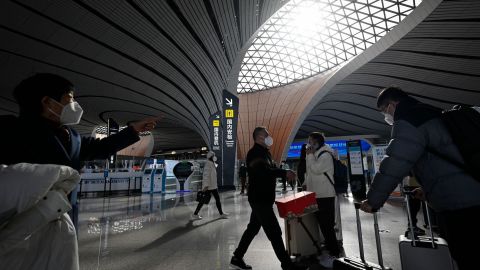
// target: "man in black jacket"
[[42, 132], [261, 196]]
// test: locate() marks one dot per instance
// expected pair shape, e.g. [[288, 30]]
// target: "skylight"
[[308, 37]]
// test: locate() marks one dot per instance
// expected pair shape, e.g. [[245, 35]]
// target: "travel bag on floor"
[[423, 252], [303, 241], [354, 263]]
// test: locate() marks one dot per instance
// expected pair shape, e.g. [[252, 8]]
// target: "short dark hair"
[[29, 92], [317, 136], [257, 130], [391, 93]]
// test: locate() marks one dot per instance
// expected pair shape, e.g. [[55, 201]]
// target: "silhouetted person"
[[453, 192], [261, 196], [243, 177], [302, 166], [43, 132]]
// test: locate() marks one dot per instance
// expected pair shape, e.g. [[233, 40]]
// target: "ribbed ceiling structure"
[[131, 59], [307, 37], [438, 62], [136, 58]]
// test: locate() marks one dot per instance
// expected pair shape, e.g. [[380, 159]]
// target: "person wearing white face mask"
[[261, 196], [209, 186], [423, 143], [319, 179], [43, 132]]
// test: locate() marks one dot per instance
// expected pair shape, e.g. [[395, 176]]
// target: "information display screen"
[[340, 146]]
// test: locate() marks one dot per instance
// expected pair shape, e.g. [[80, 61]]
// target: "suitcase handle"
[[377, 236], [409, 193]]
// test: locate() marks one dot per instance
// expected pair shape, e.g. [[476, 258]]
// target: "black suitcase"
[[353, 263]]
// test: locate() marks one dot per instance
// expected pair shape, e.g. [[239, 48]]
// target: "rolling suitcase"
[[353, 263], [423, 252], [302, 235]]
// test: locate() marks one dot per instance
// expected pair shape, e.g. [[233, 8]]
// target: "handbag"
[[203, 197]]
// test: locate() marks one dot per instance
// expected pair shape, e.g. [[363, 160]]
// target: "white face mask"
[[214, 158], [389, 119], [268, 141], [71, 113]]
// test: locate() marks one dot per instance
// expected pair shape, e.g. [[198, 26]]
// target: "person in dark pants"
[[320, 179], [43, 133], [209, 184], [285, 166], [243, 177], [261, 196], [450, 189], [415, 205], [302, 166]]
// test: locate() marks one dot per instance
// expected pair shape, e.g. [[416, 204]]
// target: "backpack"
[[463, 124], [340, 175]]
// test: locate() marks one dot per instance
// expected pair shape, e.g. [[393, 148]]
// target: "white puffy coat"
[[35, 231], [209, 175], [316, 180]]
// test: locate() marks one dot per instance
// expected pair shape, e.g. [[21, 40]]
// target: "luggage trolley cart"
[[302, 235]]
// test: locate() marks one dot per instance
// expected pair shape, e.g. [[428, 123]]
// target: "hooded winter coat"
[[317, 166], [35, 231], [418, 128]]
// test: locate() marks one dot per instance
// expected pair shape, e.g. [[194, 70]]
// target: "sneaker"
[[237, 263], [195, 217], [224, 215], [326, 260]]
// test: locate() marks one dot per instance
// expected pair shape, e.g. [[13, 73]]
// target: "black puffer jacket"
[[262, 175], [417, 128]]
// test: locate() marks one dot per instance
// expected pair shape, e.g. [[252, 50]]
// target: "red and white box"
[[296, 204]]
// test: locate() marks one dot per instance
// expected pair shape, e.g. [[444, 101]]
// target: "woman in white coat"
[[209, 185], [320, 164]]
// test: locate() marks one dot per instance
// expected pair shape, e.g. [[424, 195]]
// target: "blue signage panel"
[[339, 145]]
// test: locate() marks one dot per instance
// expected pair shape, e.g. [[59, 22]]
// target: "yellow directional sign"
[[216, 123], [229, 113]]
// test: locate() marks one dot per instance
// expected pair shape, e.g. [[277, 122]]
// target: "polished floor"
[[155, 232]]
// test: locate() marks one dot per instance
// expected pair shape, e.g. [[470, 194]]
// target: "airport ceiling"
[[135, 58], [438, 62]]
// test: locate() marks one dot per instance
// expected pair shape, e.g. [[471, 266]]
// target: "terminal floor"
[[154, 232]]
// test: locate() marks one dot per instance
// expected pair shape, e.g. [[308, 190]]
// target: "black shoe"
[[239, 263], [418, 231]]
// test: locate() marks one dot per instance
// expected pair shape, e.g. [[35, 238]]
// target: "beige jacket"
[[209, 176]]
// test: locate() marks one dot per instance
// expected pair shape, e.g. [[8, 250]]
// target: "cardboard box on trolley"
[[294, 205]]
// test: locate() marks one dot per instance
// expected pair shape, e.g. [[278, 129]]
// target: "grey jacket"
[[417, 128]]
